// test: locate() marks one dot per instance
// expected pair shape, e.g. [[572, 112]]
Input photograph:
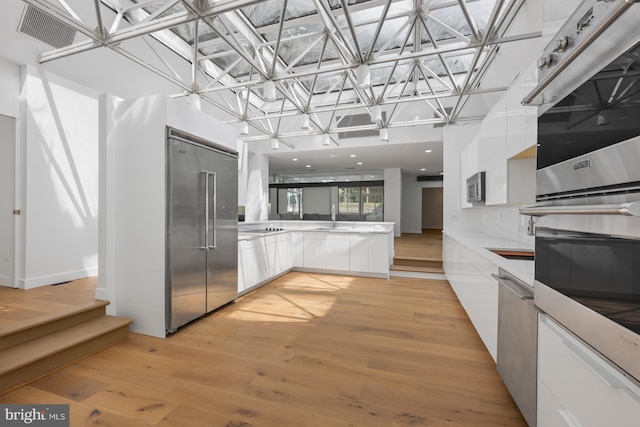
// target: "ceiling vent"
[[44, 27], [358, 120]]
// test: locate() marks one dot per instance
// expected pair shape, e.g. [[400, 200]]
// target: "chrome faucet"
[[333, 214]]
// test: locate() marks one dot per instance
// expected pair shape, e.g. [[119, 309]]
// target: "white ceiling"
[[160, 70]]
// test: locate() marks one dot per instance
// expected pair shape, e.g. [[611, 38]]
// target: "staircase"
[[37, 347], [417, 264]]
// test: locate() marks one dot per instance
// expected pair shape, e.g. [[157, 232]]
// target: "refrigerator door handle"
[[206, 210], [215, 211]]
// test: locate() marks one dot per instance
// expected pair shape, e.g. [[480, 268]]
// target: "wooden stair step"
[[27, 361], [417, 269], [43, 325], [418, 262]]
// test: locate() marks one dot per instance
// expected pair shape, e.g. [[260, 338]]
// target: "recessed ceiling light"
[[423, 169], [427, 151], [308, 166], [359, 163], [295, 160], [333, 155], [441, 173], [353, 155]]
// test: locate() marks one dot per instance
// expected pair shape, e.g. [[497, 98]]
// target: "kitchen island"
[[269, 249]]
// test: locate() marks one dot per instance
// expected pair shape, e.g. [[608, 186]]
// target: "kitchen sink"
[[515, 254]]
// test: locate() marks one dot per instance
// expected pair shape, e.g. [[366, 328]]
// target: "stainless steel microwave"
[[475, 188]]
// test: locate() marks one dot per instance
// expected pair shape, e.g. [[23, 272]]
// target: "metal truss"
[[311, 56]]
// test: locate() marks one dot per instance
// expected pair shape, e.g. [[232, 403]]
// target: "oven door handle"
[[626, 209]]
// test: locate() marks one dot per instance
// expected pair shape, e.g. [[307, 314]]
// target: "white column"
[[393, 199], [257, 207]]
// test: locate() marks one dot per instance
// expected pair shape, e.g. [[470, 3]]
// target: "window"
[[367, 201], [289, 200]]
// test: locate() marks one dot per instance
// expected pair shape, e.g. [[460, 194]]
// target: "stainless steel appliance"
[[587, 268], [517, 343], [475, 188], [202, 228]]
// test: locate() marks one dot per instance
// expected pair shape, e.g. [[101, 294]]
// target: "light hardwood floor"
[[17, 305], [305, 350], [425, 245]]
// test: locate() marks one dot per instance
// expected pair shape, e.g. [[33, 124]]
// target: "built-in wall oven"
[[587, 245]]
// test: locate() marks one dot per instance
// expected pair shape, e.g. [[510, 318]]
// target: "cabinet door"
[[359, 254], [337, 252], [493, 155], [588, 389], [378, 253], [297, 243], [284, 257], [314, 250]]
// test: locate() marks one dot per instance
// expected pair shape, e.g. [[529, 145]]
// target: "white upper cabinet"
[[505, 147], [493, 146]]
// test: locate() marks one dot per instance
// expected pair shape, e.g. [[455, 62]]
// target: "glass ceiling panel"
[[336, 4], [239, 70], [454, 18], [187, 32], [457, 64], [295, 40], [268, 12], [150, 9]]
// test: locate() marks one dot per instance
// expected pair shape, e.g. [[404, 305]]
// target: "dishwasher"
[[518, 343]]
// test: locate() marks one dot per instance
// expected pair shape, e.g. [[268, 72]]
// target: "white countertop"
[[480, 243], [253, 230]]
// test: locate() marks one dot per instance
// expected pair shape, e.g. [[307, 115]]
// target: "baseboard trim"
[[56, 278]]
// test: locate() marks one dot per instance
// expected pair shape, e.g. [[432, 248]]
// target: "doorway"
[[7, 199], [432, 208]]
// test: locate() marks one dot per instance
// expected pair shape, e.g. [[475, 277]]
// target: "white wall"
[[393, 199], [60, 180], [9, 141], [7, 199], [10, 89], [412, 202]]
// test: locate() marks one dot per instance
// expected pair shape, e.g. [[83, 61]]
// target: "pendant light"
[[194, 101], [384, 135], [269, 91], [326, 140], [363, 76], [306, 122], [244, 128], [275, 144]]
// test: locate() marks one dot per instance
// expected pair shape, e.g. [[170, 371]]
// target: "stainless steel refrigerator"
[[202, 228]]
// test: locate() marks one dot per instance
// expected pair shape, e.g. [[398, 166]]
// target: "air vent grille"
[[44, 27], [358, 120]]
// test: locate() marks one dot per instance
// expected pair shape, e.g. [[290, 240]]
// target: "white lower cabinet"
[[314, 250], [470, 277], [369, 253], [263, 258], [326, 250], [297, 244], [577, 386]]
